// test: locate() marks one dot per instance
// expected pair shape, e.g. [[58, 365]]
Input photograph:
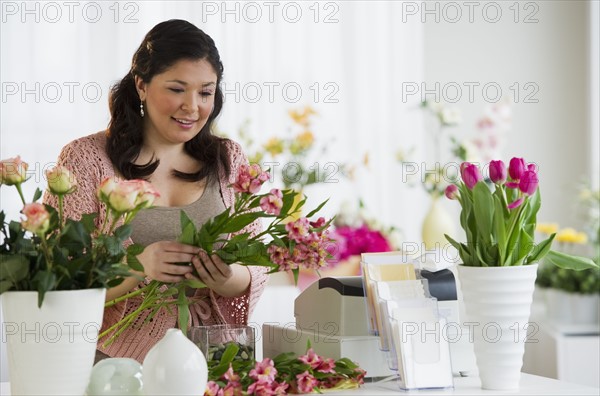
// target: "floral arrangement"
[[483, 146], [294, 158], [290, 246], [286, 373], [500, 221], [46, 252], [358, 232]]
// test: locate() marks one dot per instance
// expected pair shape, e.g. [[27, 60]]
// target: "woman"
[[162, 112]]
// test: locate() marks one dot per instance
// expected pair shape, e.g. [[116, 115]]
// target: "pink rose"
[[147, 194], [60, 180], [124, 196], [37, 218], [106, 188], [13, 171]]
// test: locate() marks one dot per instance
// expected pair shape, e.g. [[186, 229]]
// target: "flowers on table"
[[280, 246], [45, 251], [286, 373], [500, 220]]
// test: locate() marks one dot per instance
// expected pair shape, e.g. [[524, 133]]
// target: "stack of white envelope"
[[401, 311]]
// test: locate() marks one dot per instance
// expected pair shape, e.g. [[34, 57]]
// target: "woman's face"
[[178, 102]]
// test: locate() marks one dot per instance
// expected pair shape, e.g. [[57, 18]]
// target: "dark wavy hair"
[[164, 45]]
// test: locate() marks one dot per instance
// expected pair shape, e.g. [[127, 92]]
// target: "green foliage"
[[585, 282]]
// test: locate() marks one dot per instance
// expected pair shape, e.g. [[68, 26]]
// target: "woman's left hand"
[[227, 280]]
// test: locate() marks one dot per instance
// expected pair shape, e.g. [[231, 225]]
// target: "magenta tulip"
[[529, 182], [497, 172], [451, 191], [470, 174], [516, 168]]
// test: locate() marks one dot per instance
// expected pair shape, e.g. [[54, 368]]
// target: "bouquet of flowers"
[[292, 244], [286, 373], [500, 221], [46, 252], [294, 159]]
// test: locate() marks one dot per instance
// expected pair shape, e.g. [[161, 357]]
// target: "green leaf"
[[5, 286], [230, 353], [45, 282], [37, 195], [317, 209], [500, 227], [188, 229], [13, 268], [566, 261], [123, 232], [540, 250], [483, 208], [183, 312], [240, 222]]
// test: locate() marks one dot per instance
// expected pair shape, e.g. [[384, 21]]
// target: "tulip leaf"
[[500, 227], [483, 209], [566, 261], [540, 250]]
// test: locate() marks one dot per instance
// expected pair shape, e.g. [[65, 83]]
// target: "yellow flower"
[[274, 146], [547, 228], [305, 140], [302, 117], [570, 235]]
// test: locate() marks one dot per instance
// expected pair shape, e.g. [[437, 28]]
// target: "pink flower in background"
[[352, 241], [306, 382], [212, 389], [311, 358], [13, 171], [273, 202], [264, 371], [37, 218]]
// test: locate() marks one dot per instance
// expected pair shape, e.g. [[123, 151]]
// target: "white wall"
[[551, 54]]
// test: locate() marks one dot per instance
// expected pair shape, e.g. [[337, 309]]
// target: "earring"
[[142, 109]]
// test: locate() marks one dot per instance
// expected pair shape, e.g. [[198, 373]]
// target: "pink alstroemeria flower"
[[516, 168], [273, 202], [264, 371], [470, 175], [298, 229], [497, 172], [306, 382], [311, 358]]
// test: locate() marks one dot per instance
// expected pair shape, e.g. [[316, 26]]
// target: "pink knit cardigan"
[[87, 159]]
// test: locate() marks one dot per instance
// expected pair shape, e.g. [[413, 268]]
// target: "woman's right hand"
[[162, 260]]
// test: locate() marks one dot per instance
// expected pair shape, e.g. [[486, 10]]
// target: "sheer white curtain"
[[345, 59]]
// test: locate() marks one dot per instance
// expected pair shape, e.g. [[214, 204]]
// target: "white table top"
[[530, 385]]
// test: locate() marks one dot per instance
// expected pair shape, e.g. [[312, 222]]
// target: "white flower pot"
[[174, 366], [572, 308], [498, 303], [51, 349]]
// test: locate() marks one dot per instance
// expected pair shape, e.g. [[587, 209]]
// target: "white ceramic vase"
[[497, 302], [174, 366], [437, 222], [51, 349]]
